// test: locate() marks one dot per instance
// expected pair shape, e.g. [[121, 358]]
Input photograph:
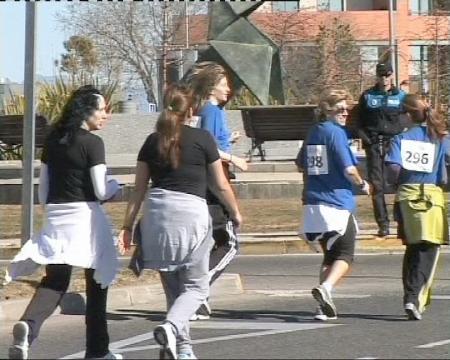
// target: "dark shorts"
[[335, 246]]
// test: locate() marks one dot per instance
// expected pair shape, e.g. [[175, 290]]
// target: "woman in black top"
[[175, 228], [72, 183]]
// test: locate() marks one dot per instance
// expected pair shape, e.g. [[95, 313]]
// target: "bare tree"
[[439, 57], [80, 60], [296, 60], [136, 35], [339, 57]]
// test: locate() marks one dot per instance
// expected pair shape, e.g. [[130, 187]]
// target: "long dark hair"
[[420, 112], [81, 104], [202, 78], [177, 103]]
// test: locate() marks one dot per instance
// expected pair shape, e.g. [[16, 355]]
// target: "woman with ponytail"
[[176, 234], [416, 164]]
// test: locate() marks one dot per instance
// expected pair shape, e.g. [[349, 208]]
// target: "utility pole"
[[393, 41], [164, 57], [29, 123], [186, 16]]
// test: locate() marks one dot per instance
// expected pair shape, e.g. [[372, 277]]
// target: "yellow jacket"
[[423, 212]]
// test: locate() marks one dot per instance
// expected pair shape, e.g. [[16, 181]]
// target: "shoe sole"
[[324, 318], [161, 338], [328, 308], [199, 317]]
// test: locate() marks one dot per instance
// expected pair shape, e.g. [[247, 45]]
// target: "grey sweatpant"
[[185, 290]]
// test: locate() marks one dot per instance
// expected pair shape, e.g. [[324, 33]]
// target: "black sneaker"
[[19, 348], [383, 232]]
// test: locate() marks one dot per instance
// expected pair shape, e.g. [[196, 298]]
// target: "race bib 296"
[[417, 155]]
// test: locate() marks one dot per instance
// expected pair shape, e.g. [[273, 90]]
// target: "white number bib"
[[417, 155], [317, 159]]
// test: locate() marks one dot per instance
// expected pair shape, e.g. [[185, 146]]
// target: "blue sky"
[[49, 38]]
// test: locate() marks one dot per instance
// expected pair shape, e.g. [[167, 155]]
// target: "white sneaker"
[[165, 336], [323, 297], [412, 312], [19, 348], [320, 315], [111, 355], [187, 356], [202, 313]]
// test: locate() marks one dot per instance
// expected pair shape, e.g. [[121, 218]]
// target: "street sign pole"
[[29, 122]]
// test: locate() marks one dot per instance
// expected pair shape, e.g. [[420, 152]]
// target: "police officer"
[[380, 108]]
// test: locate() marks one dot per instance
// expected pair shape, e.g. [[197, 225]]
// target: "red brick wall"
[[367, 25]]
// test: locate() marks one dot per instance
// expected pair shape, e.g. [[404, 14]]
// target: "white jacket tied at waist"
[[77, 234]]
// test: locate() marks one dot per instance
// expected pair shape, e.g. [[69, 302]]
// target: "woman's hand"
[[239, 163], [235, 135], [237, 219], [124, 242]]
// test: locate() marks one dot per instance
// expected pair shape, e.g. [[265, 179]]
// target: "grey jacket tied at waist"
[[175, 231]]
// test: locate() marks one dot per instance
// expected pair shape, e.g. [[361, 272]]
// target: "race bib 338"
[[317, 160]]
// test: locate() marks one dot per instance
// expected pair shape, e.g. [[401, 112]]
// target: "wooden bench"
[[11, 135], [282, 123]]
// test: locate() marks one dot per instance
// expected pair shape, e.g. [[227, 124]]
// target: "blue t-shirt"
[[324, 156], [213, 119], [422, 159]]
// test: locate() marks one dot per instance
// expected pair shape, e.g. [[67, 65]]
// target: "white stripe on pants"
[[185, 290]]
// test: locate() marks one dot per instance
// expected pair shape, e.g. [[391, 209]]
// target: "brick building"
[[421, 27]]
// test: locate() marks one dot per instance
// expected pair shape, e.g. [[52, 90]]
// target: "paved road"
[[272, 319]]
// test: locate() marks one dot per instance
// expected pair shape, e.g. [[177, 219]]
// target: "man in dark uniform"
[[380, 108]]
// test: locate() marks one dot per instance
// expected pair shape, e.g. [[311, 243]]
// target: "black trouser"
[[225, 241], [48, 296], [419, 266], [376, 173]]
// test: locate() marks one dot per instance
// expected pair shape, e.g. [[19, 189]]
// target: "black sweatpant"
[[225, 240], [376, 175], [48, 296], [419, 265]]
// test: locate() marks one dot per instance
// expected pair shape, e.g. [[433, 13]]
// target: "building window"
[[331, 5], [285, 5], [420, 7], [418, 69], [370, 56]]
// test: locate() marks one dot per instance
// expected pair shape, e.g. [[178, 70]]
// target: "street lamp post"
[[28, 123]]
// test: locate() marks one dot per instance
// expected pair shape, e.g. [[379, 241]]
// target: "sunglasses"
[[341, 110], [386, 74]]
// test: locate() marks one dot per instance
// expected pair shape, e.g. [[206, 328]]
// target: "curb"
[[75, 303], [283, 242], [294, 245]]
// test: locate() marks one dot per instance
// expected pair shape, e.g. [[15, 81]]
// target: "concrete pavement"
[[272, 318]]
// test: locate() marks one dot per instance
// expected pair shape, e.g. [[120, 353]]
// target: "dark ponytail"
[[436, 124], [177, 103], [420, 112]]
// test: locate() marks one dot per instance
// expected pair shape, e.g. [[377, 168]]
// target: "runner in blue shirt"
[[416, 163], [329, 171], [210, 86]]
